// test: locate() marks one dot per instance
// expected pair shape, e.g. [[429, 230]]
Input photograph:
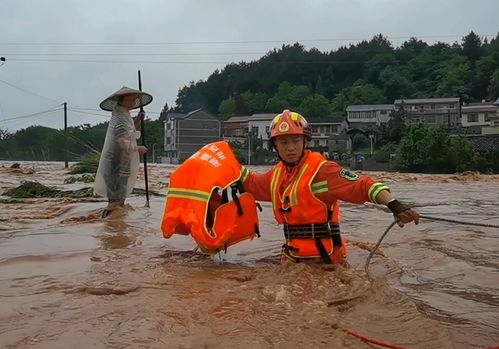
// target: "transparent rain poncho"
[[119, 161]]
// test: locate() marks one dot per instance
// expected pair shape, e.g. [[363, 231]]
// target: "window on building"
[[452, 106], [472, 118], [254, 130], [430, 119], [267, 129], [168, 140], [488, 116], [383, 112]]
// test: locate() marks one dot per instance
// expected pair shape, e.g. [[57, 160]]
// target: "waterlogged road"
[[70, 280]]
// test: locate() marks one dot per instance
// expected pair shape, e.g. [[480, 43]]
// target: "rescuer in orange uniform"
[[305, 188]]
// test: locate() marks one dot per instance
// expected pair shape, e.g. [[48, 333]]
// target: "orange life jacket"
[[197, 202], [311, 228]]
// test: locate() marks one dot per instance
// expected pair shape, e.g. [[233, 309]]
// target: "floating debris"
[[85, 178], [36, 190]]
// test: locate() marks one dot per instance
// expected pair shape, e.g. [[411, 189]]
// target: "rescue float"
[[206, 200]]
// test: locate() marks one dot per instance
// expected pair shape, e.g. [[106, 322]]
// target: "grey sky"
[[31, 82]]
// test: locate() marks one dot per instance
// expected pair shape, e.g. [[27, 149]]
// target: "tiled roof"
[[427, 100], [368, 107], [182, 115], [237, 119], [478, 108], [261, 117], [176, 115]]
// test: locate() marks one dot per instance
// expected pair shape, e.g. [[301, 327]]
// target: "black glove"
[[397, 207]]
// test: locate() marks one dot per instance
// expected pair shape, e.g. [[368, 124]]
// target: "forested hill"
[[324, 83]]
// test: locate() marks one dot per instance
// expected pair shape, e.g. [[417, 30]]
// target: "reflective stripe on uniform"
[[319, 187], [273, 186], [375, 189], [189, 194], [244, 174], [294, 189]]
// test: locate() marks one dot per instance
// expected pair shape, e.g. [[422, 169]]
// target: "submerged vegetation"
[[37, 190], [88, 164]]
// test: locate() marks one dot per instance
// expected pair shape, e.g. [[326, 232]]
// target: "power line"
[[222, 42], [28, 92], [79, 109], [88, 113], [182, 62], [138, 54], [110, 61], [54, 108]]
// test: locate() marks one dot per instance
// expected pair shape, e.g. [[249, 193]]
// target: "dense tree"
[[394, 129], [315, 106], [455, 77], [227, 108], [493, 90], [360, 93], [396, 83], [415, 69], [472, 46]]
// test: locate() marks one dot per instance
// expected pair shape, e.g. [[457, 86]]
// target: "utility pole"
[[65, 135], [448, 119], [371, 138], [249, 148]]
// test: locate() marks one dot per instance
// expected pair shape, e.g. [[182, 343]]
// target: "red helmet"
[[289, 123]]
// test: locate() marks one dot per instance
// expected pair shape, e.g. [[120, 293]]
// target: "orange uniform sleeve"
[[344, 185], [258, 184]]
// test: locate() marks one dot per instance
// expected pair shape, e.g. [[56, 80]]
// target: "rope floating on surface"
[[366, 266]]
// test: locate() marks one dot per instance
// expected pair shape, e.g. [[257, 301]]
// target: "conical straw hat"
[[110, 102]]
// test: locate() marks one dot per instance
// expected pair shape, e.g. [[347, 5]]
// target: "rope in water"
[[371, 340], [366, 266], [460, 222]]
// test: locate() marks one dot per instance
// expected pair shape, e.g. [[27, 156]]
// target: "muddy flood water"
[[69, 279]]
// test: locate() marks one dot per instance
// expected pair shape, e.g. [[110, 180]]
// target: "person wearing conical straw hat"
[[119, 162]]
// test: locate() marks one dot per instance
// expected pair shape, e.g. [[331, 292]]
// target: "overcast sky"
[[79, 52]]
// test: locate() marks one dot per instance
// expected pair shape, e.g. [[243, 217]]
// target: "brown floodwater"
[[71, 280]]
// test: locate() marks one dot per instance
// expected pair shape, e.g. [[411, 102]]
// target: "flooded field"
[[69, 279]]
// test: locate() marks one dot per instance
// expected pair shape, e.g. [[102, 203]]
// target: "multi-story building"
[[187, 133], [322, 130], [239, 127], [433, 112], [259, 124], [235, 127], [367, 116], [477, 116]]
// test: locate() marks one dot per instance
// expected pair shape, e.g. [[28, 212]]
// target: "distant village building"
[[366, 116], [237, 128], [187, 133], [433, 112], [322, 132], [479, 117]]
